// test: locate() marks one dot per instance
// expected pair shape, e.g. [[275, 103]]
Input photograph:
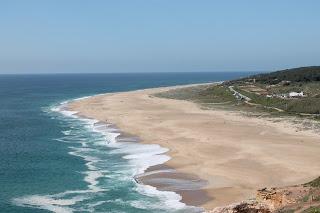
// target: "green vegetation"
[[217, 94], [302, 74], [311, 89], [287, 211], [312, 210], [188, 93], [316, 198], [272, 90], [267, 92], [314, 183], [308, 105], [305, 198]]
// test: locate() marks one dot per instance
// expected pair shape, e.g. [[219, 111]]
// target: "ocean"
[[53, 161]]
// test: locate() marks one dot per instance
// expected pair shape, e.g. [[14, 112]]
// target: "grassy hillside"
[[299, 75], [268, 92]]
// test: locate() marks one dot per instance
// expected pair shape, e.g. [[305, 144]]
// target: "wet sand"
[[230, 156], [189, 186]]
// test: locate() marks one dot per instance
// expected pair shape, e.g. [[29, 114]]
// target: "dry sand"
[[236, 155]]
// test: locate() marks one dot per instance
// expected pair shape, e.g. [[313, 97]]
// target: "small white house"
[[296, 94]]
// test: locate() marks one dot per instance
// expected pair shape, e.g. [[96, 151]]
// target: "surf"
[[111, 159]]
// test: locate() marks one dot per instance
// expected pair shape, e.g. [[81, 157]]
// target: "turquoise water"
[[53, 161]]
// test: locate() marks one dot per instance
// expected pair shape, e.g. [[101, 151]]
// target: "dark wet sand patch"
[[165, 178]]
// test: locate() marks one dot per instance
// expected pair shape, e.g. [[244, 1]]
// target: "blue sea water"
[[53, 161]]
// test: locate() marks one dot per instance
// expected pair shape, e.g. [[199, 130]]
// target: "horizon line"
[[140, 72]]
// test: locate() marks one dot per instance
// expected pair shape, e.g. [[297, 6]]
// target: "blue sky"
[[157, 35]]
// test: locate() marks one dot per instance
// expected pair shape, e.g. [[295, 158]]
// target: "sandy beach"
[[224, 155]]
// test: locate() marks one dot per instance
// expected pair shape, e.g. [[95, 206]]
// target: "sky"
[[90, 36]]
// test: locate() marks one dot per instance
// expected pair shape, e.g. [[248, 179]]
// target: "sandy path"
[[235, 154]]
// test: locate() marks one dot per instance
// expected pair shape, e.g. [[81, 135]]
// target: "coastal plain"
[[235, 155]]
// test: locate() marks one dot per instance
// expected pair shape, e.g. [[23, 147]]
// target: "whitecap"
[[139, 157]]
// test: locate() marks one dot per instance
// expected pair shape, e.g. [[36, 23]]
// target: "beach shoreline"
[[160, 176], [232, 155]]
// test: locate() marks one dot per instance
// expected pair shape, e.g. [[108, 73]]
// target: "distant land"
[[301, 74]]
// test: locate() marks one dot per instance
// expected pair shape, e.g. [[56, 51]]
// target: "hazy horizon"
[[132, 72], [79, 36]]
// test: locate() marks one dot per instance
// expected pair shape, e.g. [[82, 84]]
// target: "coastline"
[[179, 188], [134, 152], [233, 154]]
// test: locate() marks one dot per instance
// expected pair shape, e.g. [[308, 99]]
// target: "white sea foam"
[[158, 171], [140, 157], [171, 199], [45, 202]]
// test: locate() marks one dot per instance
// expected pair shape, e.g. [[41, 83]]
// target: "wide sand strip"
[[235, 154]]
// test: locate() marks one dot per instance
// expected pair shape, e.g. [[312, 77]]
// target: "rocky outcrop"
[[278, 198], [285, 199], [251, 206]]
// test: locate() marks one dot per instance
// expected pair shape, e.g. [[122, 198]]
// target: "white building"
[[296, 94]]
